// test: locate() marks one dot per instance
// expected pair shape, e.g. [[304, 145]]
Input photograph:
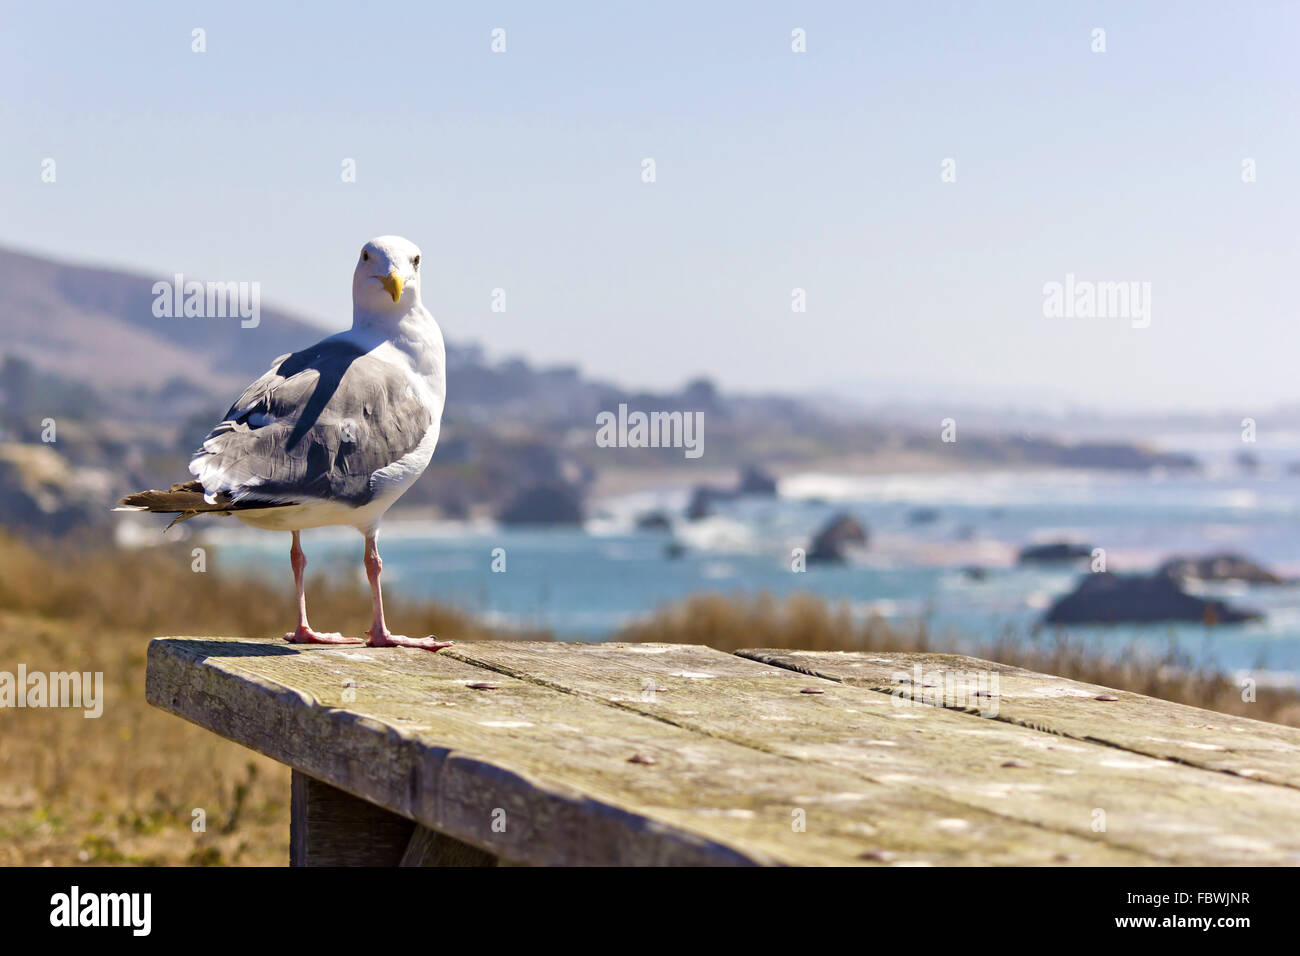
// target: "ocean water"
[[587, 583]]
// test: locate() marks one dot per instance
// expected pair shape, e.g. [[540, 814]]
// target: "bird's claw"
[[396, 640], [305, 635]]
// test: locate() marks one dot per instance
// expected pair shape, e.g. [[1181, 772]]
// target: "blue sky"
[[775, 170]]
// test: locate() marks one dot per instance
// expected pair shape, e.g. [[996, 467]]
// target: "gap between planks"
[[807, 663]]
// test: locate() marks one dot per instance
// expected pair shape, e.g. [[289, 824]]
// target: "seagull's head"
[[387, 278]]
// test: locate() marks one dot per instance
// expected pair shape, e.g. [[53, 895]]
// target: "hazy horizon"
[[775, 170]]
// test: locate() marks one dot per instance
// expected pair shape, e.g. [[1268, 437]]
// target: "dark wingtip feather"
[[183, 516]]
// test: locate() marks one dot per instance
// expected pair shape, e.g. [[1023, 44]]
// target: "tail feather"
[[186, 496], [185, 500]]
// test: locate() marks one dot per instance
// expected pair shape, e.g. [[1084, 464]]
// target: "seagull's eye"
[[365, 256], [416, 262]]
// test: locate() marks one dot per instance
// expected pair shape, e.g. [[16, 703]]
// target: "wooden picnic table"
[[669, 754]]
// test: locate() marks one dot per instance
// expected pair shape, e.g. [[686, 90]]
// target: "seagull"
[[331, 435]]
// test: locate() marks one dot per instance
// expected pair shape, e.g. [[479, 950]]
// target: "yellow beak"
[[393, 283]]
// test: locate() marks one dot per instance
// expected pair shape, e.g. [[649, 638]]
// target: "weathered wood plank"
[[1248, 748], [537, 776], [328, 827], [1161, 809]]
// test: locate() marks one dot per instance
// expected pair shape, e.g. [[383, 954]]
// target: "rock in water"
[[653, 521], [836, 536], [544, 504], [703, 501], [1218, 567], [1054, 553], [755, 481], [1106, 598]]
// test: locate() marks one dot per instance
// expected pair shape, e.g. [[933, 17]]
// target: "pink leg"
[[304, 634], [380, 636]]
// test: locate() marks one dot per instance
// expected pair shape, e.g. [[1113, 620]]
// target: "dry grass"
[[154, 592], [123, 788], [808, 622]]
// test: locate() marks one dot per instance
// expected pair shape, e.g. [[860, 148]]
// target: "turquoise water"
[[587, 583]]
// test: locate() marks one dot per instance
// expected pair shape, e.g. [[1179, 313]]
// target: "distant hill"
[[89, 335], [93, 330], [97, 326]]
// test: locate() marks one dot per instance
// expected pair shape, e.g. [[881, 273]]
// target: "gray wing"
[[319, 424]]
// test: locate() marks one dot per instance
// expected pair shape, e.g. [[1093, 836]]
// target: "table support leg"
[[329, 827]]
